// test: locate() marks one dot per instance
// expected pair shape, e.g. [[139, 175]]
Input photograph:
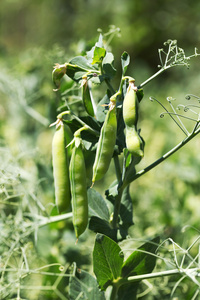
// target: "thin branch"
[[166, 155]]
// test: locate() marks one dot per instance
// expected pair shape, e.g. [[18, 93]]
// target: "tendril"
[[177, 115], [170, 114], [189, 96], [187, 108]]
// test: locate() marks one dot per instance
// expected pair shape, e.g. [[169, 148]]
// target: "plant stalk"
[[161, 274], [166, 155], [114, 292], [153, 76]]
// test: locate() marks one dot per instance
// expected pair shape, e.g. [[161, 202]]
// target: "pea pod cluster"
[[60, 168], [106, 143], [78, 184], [134, 143]]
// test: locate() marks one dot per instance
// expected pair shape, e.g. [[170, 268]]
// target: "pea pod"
[[106, 143], [86, 97], [134, 142], [130, 106], [78, 188], [58, 72], [60, 168]]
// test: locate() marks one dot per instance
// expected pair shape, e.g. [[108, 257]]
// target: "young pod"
[[86, 97], [78, 189], [58, 72], [106, 144], [130, 106], [134, 143], [60, 168]]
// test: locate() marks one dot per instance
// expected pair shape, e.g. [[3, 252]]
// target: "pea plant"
[[97, 130], [108, 130]]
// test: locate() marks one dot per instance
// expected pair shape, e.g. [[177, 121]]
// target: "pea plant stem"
[[162, 274], [114, 292], [168, 154], [153, 76]]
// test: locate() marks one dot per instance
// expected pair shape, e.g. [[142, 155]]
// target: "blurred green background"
[[36, 34]]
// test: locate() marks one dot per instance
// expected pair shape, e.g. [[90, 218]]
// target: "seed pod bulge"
[[130, 107], [134, 142], [106, 144], [60, 169], [86, 97], [78, 190]]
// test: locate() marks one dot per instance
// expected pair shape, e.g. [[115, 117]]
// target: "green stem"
[[153, 76], [166, 155], [114, 292], [161, 274]]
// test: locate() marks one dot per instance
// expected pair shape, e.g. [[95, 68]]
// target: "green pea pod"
[[78, 188], [134, 142], [86, 97], [58, 72], [60, 168], [106, 143], [130, 106]]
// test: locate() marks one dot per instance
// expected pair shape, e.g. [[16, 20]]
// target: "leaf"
[[128, 291], [125, 60], [126, 209], [101, 106], [78, 66], [112, 191], [107, 260], [102, 226], [99, 44], [82, 285], [140, 94], [107, 65], [99, 54], [97, 205], [140, 262]]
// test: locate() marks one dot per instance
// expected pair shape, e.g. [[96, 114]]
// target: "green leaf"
[[97, 205], [126, 209], [112, 191], [101, 106], [102, 226], [84, 286], [107, 260], [128, 291], [99, 54], [78, 66], [125, 60], [107, 65], [140, 262], [140, 94]]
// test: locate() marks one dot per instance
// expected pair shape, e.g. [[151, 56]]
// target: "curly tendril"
[[189, 96], [176, 117]]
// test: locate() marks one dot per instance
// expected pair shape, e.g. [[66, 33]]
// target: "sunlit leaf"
[[107, 260]]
